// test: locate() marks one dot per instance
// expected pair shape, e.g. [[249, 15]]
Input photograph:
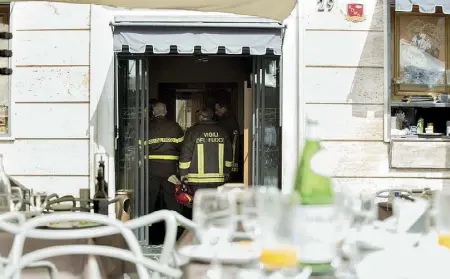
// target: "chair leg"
[[50, 266]]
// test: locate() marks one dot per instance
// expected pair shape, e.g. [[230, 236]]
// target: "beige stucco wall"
[[62, 97], [49, 148], [344, 88]]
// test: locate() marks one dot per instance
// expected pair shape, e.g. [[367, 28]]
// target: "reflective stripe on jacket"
[[165, 138], [206, 154]]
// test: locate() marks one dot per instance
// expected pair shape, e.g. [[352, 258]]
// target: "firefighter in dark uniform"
[[228, 121], [164, 145], [205, 157]]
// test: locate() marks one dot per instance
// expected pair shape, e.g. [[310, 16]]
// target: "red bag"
[[183, 194]]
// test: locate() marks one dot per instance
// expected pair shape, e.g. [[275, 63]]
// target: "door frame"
[[138, 115], [259, 102], [248, 134], [251, 168]]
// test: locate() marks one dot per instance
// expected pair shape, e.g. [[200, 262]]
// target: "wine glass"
[[266, 217], [249, 213], [214, 213], [357, 216]]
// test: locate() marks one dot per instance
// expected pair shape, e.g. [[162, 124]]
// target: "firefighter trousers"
[[160, 188]]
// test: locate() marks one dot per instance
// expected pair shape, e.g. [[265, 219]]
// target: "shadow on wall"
[[368, 89], [368, 81], [100, 122]]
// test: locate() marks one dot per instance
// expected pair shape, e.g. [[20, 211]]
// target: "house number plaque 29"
[[325, 5]]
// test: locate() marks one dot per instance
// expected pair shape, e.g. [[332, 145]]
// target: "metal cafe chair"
[[12, 271], [19, 240], [19, 218], [171, 230], [169, 217]]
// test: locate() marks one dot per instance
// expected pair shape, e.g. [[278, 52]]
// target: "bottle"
[[315, 213], [101, 191], [420, 126], [5, 189]]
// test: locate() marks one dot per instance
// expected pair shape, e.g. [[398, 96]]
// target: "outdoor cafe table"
[[198, 270], [72, 266], [195, 270]]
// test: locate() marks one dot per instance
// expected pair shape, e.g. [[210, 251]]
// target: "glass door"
[[266, 121], [132, 118]]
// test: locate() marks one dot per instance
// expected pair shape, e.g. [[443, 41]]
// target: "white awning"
[[274, 9], [138, 34], [425, 6]]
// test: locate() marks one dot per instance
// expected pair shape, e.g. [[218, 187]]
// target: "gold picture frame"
[[431, 30]]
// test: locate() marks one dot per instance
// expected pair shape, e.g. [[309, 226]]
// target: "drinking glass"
[[443, 217], [358, 215], [257, 207], [214, 213], [266, 217]]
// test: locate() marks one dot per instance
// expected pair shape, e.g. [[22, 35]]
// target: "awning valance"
[[425, 6], [207, 34]]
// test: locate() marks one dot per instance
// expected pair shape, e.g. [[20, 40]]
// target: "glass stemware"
[[214, 212], [249, 215], [266, 215], [357, 214]]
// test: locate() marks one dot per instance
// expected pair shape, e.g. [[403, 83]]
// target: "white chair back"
[[19, 240], [171, 230], [20, 218], [12, 271], [169, 217]]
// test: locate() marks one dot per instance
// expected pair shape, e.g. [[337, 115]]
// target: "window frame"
[[392, 61], [6, 10], [395, 29]]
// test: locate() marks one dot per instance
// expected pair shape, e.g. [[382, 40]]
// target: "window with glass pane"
[[420, 53], [271, 123], [4, 80]]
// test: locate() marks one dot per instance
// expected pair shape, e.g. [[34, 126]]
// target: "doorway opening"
[[184, 100], [187, 83]]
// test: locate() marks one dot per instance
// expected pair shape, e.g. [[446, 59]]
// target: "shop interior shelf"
[[420, 105]]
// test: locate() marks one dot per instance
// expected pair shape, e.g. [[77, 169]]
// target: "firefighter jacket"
[[206, 154], [164, 143], [231, 126]]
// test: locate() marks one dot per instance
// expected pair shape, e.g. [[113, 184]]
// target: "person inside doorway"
[[151, 104], [229, 122], [206, 154], [164, 144]]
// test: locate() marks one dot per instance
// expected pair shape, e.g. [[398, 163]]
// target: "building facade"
[[62, 102], [349, 84], [62, 95], [48, 146]]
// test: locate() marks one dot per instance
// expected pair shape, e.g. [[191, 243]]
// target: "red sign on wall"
[[355, 12]]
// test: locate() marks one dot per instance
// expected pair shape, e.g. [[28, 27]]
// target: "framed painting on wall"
[[420, 54]]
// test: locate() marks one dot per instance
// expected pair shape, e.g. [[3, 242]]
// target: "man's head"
[[206, 114], [221, 108], [159, 110]]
